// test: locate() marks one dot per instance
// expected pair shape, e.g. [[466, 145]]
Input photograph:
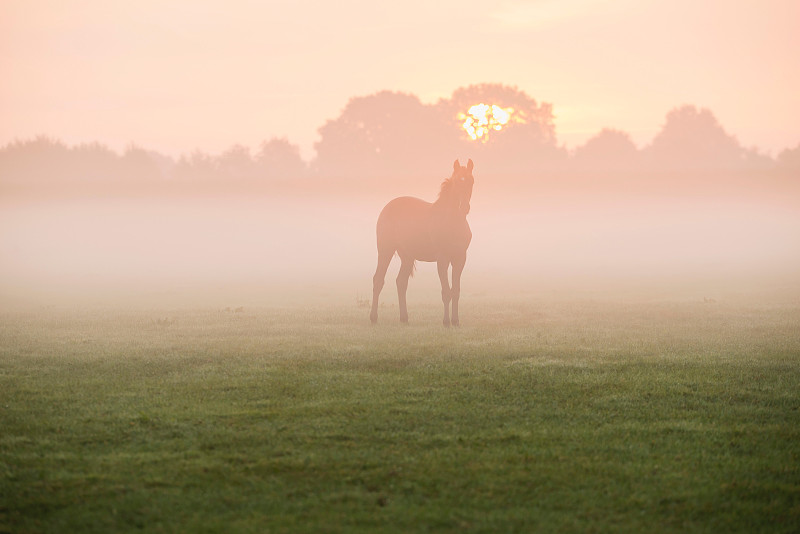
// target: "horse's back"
[[403, 227]]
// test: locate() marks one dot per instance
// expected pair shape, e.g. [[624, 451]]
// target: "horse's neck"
[[447, 225], [445, 213], [446, 203]]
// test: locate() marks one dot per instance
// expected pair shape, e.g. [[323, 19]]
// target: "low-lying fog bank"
[[250, 250]]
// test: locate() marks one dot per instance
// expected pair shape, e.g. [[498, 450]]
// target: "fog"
[[315, 246], [692, 214]]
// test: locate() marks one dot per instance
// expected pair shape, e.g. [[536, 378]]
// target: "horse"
[[422, 231]]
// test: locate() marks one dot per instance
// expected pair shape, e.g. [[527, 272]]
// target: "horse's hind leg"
[[442, 266], [384, 259], [406, 267]]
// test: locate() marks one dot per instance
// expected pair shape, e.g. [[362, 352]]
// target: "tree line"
[[392, 135]]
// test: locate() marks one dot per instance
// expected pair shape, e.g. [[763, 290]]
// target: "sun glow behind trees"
[[482, 118]]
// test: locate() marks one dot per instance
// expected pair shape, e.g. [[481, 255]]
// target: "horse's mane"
[[447, 186]]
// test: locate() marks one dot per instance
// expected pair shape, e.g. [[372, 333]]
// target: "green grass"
[[549, 417]]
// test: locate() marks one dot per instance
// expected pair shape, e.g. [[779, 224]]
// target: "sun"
[[481, 119]]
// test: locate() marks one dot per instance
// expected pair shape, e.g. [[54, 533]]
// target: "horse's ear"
[[456, 165], [469, 165]]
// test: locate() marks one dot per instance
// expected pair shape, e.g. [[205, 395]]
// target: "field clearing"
[[576, 415]]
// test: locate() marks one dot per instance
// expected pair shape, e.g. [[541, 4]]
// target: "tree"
[[789, 160], [94, 161], [394, 134], [42, 159], [196, 166], [139, 164], [524, 109], [521, 132], [46, 160], [236, 163], [608, 150], [693, 139], [277, 158], [384, 134]]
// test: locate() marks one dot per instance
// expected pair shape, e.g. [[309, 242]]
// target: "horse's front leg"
[[406, 267], [377, 282], [442, 266], [458, 268]]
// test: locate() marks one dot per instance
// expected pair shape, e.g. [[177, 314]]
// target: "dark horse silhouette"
[[419, 230]]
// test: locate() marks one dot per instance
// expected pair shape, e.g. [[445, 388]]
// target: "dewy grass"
[[582, 416]]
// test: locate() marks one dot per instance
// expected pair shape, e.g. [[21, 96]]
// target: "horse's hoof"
[[446, 323], [455, 323]]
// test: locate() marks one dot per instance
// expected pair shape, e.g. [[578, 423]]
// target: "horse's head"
[[462, 183]]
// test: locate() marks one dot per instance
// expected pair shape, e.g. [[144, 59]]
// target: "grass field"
[[567, 416]]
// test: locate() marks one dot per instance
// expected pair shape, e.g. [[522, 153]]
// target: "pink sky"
[[178, 75]]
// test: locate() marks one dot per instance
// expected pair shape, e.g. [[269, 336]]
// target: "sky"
[[176, 76]]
